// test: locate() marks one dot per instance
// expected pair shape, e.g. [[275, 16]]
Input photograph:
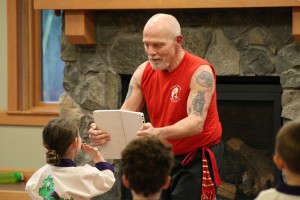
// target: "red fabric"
[[166, 107], [208, 190]]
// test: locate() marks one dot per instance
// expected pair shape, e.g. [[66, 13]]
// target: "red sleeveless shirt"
[[166, 95]]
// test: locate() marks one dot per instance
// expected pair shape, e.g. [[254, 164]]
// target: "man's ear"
[[278, 161], [179, 39], [167, 183], [125, 181]]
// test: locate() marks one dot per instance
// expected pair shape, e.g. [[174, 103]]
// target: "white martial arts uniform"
[[68, 182], [281, 192]]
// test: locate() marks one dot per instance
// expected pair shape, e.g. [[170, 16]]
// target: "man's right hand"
[[98, 137]]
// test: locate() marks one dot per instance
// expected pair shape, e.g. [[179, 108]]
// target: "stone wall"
[[238, 42]]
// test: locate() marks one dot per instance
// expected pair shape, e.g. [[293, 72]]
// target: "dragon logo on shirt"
[[175, 93], [48, 190]]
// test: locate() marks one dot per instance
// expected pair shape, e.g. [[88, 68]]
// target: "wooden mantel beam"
[[79, 14], [158, 4], [296, 24], [80, 27]]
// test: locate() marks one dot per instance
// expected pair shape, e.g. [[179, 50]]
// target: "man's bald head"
[[164, 22]]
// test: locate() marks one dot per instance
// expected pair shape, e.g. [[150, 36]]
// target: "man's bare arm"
[[134, 100]]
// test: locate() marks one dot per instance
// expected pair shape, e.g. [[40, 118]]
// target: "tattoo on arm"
[[130, 88], [189, 111], [204, 79], [198, 103]]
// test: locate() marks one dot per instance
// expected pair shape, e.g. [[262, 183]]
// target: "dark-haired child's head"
[[146, 163], [58, 135]]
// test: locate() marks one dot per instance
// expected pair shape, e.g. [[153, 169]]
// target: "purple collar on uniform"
[[287, 189], [100, 165], [66, 163]]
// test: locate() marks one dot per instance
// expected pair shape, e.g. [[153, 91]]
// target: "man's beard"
[[162, 65]]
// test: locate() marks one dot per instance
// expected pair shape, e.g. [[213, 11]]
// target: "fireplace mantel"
[[79, 14], [158, 4]]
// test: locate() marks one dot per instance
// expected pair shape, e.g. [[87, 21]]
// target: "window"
[[25, 105], [52, 73]]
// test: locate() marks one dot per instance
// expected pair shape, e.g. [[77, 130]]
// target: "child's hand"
[[93, 152]]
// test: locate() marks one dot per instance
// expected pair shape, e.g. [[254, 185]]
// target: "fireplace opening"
[[250, 113]]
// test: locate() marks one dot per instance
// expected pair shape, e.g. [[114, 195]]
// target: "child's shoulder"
[[267, 194]]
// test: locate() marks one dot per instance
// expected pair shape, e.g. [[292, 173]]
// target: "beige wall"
[[20, 147]]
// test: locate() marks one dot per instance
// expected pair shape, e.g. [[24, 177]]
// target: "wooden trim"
[[159, 4], [296, 24], [24, 106], [25, 118], [81, 5], [37, 51], [12, 52], [80, 26], [13, 195]]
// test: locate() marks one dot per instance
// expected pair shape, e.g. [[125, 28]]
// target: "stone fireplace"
[[250, 112], [243, 45]]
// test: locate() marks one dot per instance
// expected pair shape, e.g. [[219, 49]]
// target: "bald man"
[[179, 90]]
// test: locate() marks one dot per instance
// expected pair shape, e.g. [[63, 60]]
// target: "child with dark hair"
[[287, 159], [60, 178], [146, 163]]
